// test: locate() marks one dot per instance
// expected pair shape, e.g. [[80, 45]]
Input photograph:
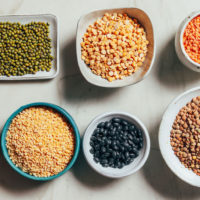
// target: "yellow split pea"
[[114, 46], [40, 141]]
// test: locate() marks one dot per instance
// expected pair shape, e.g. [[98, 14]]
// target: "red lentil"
[[191, 39]]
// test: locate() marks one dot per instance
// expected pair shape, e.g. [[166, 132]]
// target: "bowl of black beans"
[[116, 144]]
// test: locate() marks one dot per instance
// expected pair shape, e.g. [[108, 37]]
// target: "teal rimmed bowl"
[[69, 119]]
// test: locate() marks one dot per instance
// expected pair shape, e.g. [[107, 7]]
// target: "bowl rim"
[[160, 128], [58, 109], [123, 85], [184, 25], [145, 133]]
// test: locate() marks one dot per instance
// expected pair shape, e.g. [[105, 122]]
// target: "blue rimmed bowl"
[[68, 118]]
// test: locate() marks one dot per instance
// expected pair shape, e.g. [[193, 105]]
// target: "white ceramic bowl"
[[180, 50], [144, 70], [126, 170], [164, 137]]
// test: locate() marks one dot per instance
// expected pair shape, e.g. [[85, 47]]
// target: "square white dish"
[[52, 20], [143, 71]]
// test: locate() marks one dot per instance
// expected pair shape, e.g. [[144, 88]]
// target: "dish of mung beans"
[[114, 46], [24, 48], [185, 135], [40, 141]]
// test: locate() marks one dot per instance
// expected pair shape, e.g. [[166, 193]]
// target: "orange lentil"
[[191, 39]]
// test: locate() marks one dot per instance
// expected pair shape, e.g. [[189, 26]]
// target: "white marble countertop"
[[147, 100]]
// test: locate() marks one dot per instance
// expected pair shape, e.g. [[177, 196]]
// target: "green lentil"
[[24, 48]]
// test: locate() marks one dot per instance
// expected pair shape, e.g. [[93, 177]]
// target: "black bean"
[[139, 133], [114, 137], [122, 148], [107, 125], [111, 128], [132, 155], [130, 136], [141, 139], [103, 149], [125, 128], [102, 130], [98, 139], [119, 165], [132, 128], [105, 132], [130, 142], [92, 151], [124, 122], [111, 161], [108, 142], [117, 120], [106, 154], [104, 161], [140, 145], [91, 143], [112, 133], [127, 154], [114, 143], [135, 140], [115, 147], [96, 159], [114, 154], [125, 144], [119, 128], [116, 124], [96, 154], [93, 138], [118, 142], [97, 147], [101, 125]]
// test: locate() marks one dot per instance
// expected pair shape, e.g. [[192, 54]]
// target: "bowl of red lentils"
[[115, 47], [179, 136], [40, 141], [187, 41]]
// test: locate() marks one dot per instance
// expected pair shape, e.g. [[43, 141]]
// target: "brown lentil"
[[114, 46], [185, 135], [40, 141]]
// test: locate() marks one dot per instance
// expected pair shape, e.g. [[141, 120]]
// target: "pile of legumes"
[[40, 141], [116, 143], [114, 46], [185, 135], [24, 48], [191, 39]]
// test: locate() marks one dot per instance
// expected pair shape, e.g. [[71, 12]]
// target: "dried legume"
[[191, 39], [185, 135], [40, 141], [114, 46], [116, 143], [24, 48]]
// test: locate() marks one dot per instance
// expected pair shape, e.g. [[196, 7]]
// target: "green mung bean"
[[24, 48]]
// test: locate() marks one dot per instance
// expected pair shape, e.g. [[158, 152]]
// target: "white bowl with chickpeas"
[[179, 139], [115, 47]]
